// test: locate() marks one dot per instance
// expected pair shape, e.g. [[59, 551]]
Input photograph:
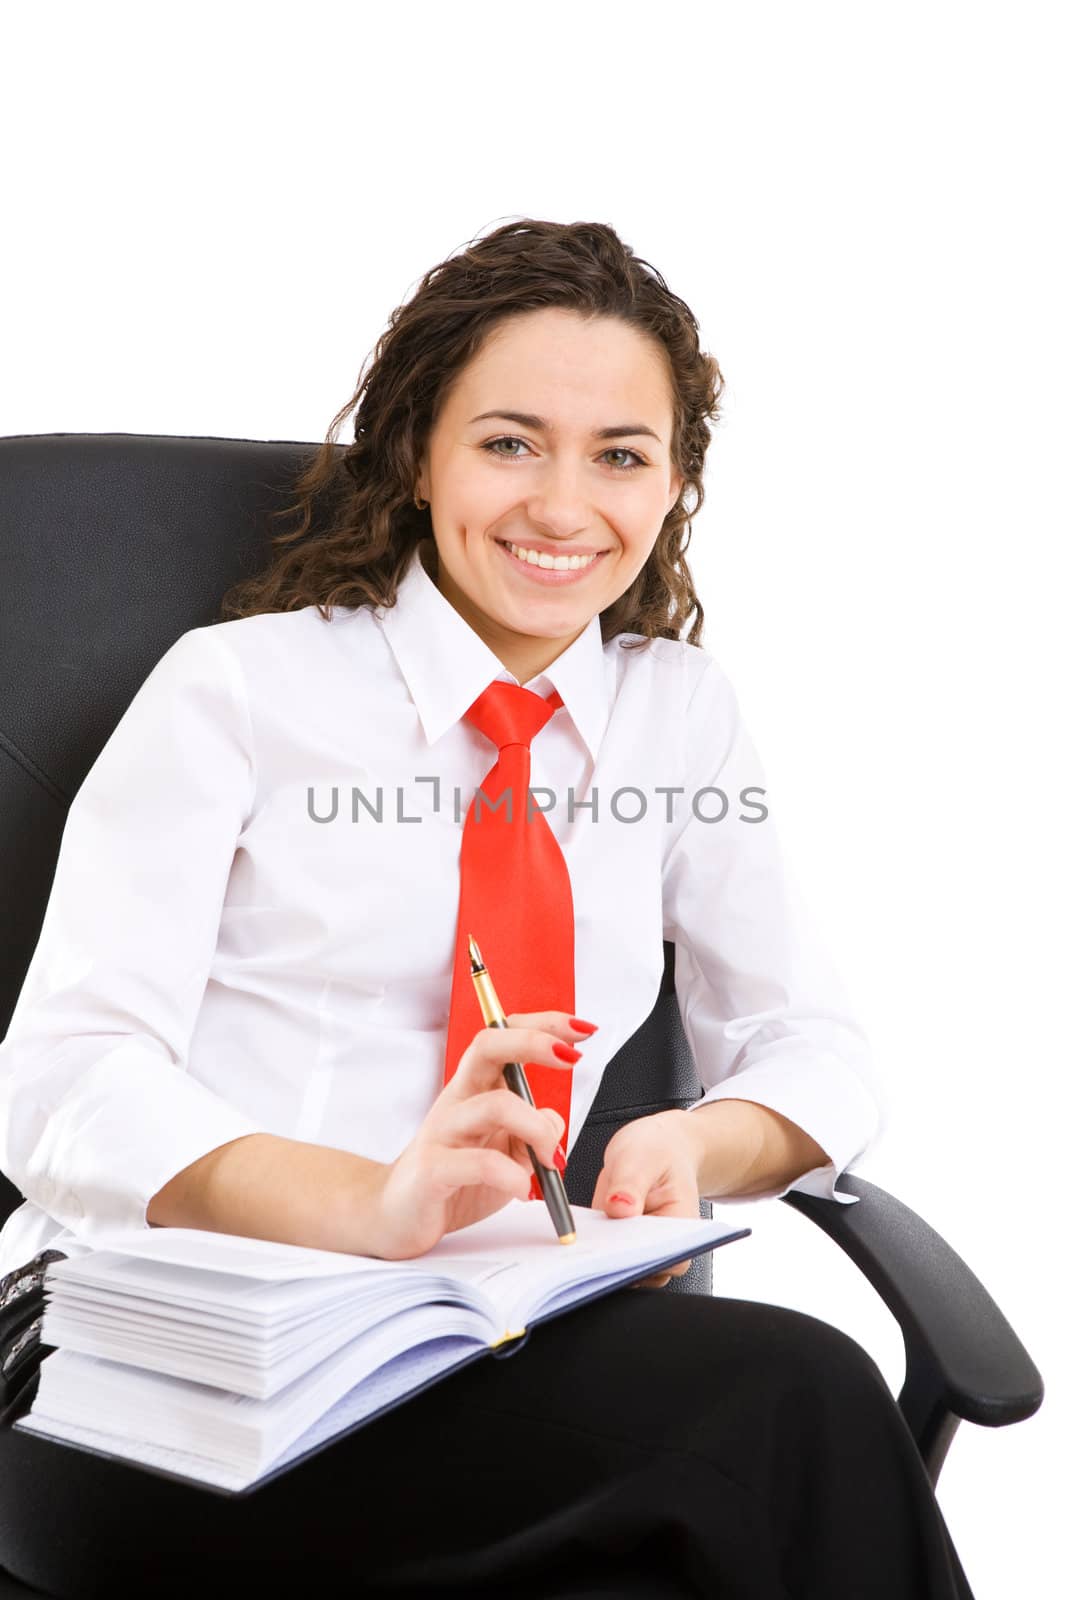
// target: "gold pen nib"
[[477, 964]]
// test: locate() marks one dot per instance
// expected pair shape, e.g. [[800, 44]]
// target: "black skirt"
[[698, 1445]]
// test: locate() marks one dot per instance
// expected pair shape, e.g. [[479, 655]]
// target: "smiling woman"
[[562, 332], [559, 501], [242, 1019]]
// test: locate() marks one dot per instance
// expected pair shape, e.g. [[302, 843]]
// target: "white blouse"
[[253, 916]]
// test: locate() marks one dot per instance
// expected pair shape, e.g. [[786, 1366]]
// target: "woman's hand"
[[651, 1166], [469, 1158]]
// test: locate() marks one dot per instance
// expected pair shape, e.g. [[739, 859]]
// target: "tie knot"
[[509, 714]]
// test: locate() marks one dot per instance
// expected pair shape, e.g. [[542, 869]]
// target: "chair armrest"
[[964, 1359]]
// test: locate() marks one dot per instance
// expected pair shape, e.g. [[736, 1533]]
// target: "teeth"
[[554, 563]]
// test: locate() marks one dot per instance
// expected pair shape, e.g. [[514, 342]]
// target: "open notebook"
[[227, 1360]]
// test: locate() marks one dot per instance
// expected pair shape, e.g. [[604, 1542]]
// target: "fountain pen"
[[514, 1076]]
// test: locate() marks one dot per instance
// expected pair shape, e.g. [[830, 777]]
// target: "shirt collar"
[[446, 665]]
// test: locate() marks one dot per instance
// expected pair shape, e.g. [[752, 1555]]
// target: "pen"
[[548, 1177]]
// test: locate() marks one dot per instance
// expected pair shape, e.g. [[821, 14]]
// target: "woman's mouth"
[[576, 569]]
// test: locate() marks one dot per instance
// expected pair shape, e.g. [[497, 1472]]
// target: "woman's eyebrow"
[[526, 419]]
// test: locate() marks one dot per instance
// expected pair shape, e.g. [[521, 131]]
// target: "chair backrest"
[[111, 547]]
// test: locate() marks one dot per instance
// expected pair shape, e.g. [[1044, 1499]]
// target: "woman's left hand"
[[650, 1165]]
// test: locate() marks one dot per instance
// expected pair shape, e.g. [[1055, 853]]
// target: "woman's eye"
[[489, 447], [618, 450]]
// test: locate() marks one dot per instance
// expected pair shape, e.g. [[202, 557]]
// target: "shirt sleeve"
[[97, 1107], [761, 1003]]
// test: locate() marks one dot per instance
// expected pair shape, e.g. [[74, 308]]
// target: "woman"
[[237, 1013]]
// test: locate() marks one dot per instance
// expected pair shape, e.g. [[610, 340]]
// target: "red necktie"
[[514, 895]]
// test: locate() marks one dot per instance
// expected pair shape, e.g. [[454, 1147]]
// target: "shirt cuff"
[[136, 1122]]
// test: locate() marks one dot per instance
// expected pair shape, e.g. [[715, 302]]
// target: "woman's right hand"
[[469, 1158]]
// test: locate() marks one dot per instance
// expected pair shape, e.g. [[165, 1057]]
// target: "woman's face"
[[550, 481]]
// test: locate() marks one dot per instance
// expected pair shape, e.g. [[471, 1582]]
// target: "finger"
[[456, 1168], [496, 1109], [620, 1190], [480, 1066], [557, 1022]]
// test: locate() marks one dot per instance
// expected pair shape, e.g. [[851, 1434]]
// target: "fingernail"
[[560, 1160], [565, 1052], [623, 1199], [583, 1027]]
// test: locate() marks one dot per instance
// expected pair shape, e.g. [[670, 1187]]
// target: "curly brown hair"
[[361, 497]]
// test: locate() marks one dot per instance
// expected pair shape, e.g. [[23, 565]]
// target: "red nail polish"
[[583, 1027], [560, 1160], [565, 1052], [623, 1199]]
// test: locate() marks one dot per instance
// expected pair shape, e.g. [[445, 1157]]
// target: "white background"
[[210, 212]]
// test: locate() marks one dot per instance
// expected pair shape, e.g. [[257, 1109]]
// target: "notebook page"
[[516, 1258], [555, 1298]]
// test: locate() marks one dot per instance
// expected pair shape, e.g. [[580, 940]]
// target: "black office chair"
[[111, 546]]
